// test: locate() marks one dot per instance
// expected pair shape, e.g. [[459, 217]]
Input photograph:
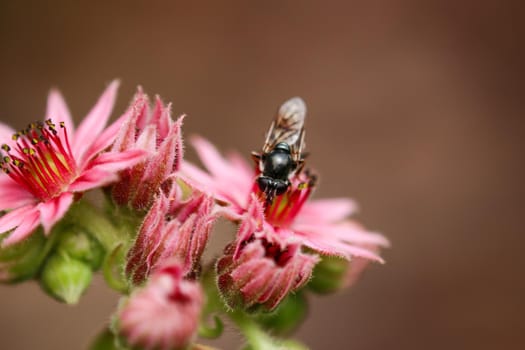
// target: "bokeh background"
[[415, 110]]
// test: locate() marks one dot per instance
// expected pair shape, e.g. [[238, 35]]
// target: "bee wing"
[[288, 127]]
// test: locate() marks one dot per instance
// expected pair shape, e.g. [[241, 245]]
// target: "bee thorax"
[[278, 164]]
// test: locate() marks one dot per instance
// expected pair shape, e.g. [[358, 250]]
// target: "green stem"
[[256, 337], [213, 307]]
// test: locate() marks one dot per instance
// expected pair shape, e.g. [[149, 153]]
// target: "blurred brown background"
[[415, 110]]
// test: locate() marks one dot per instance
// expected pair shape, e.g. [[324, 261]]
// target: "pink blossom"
[[173, 227], [152, 130], [262, 266], [48, 162], [164, 314], [321, 225]]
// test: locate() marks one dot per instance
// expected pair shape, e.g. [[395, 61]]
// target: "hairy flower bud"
[[155, 132], [65, 278], [171, 229], [261, 268], [165, 313]]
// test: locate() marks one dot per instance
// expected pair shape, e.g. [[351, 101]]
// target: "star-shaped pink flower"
[[321, 225], [45, 164]]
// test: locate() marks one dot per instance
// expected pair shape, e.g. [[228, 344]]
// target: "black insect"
[[281, 155]]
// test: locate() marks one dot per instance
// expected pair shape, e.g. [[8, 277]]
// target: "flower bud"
[[22, 260], [81, 246], [262, 267], [164, 314], [65, 278], [171, 229], [156, 133]]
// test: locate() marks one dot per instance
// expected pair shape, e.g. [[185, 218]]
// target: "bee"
[[282, 155]]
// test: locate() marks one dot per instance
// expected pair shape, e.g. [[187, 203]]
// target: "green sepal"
[[105, 340], [113, 269], [214, 332], [329, 275], [290, 313]]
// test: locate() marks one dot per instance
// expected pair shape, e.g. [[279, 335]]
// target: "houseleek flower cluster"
[[148, 231]]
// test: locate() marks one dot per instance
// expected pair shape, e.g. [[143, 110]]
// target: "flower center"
[[284, 208], [273, 251], [40, 160]]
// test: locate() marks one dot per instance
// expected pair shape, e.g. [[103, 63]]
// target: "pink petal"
[[333, 246], [179, 147], [231, 179], [58, 111], [196, 176], [161, 117], [92, 178], [27, 227], [260, 283], [326, 210], [95, 121], [245, 171], [365, 253], [13, 195], [116, 161], [210, 157], [142, 109], [201, 180], [357, 266], [103, 170], [53, 210], [345, 231], [147, 139], [6, 133], [126, 135], [25, 219], [105, 139]]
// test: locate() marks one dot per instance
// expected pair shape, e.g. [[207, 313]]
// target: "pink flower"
[[172, 228], [262, 266], [165, 313], [47, 163], [320, 225], [155, 132]]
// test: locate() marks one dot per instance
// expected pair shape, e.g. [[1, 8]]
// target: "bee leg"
[[299, 165], [270, 195], [256, 158], [312, 178]]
